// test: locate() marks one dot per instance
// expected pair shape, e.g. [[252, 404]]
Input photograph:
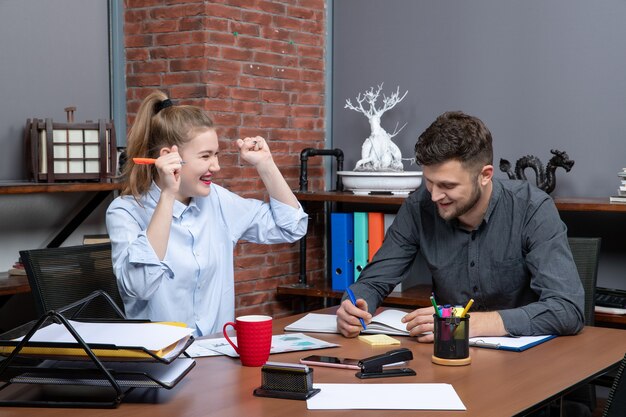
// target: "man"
[[500, 242]]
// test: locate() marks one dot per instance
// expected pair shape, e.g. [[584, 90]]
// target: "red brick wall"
[[258, 67]]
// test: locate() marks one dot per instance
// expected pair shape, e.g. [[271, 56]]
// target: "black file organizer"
[[23, 369]]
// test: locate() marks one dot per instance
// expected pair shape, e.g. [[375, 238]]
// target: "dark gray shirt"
[[517, 262]]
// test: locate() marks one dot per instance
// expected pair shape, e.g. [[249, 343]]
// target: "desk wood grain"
[[496, 384]]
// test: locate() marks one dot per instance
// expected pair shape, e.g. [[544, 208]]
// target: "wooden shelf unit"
[[418, 296]]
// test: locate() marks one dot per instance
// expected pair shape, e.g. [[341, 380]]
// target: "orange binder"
[[376, 233]]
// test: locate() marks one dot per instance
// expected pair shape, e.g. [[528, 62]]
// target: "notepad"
[[379, 340], [516, 344]]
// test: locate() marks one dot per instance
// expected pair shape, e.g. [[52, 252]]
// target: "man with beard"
[[499, 242]]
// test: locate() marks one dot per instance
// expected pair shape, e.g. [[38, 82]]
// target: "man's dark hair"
[[455, 135]]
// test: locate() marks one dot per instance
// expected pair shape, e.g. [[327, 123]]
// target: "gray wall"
[[541, 75], [52, 54]]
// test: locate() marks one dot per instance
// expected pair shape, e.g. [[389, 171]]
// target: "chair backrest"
[[61, 276], [586, 253], [616, 402]]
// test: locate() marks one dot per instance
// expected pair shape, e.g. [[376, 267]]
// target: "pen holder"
[[451, 346]]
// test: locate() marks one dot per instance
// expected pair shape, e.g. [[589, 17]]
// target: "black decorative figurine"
[[546, 179]]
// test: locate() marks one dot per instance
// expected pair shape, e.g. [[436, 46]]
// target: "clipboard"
[[514, 344]]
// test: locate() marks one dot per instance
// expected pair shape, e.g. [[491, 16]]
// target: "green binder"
[[360, 243]]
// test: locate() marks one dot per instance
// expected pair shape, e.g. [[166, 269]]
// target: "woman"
[[173, 230]]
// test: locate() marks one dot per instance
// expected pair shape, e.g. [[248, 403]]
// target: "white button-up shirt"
[[194, 283]]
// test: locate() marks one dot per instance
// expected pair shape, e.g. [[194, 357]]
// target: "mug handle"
[[230, 323]]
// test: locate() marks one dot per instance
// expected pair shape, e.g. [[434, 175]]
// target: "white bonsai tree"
[[378, 152]]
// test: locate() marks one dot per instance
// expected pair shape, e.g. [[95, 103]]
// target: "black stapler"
[[372, 367]]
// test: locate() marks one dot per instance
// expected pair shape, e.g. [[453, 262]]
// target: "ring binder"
[[78, 364]]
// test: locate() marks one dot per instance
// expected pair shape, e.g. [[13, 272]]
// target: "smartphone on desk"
[[331, 361]]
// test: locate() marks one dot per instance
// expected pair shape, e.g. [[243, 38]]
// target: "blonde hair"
[[158, 124]]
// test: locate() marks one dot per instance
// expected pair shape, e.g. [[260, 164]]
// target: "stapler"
[[372, 367]]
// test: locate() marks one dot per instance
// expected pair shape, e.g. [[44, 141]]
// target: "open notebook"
[[387, 322]]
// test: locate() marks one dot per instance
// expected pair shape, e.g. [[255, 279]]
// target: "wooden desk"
[[496, 384]]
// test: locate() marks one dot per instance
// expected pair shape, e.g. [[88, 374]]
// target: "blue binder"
[[342, 250]]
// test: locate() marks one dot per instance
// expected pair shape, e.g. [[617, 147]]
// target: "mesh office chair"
[[61, 276], [586, 253]]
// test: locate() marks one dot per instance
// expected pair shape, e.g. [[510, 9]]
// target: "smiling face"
[[201, 162], [459, 192]]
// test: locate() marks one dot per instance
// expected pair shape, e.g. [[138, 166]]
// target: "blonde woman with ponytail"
[[173, 230]]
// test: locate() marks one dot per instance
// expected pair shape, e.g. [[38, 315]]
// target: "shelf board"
[[417, 296], [562, 203], [588, 204], [13, 284], [348, 197], [611, 319], [60, 187]]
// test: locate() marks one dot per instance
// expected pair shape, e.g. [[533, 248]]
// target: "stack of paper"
[[120, 339], [621, 191]]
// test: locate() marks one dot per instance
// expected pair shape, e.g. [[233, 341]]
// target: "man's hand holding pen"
[[349, 316]]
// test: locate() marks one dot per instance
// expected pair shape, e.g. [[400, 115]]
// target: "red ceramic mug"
[[254, 339]]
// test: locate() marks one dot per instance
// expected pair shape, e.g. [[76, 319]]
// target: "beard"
[[460, 210]]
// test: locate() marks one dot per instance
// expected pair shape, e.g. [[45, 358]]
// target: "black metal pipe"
[[304, 181], [304, 158]]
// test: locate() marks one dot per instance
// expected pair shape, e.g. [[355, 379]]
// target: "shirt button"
[[472, 263], [475, 289]]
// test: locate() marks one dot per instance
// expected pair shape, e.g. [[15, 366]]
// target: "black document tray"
[[52, 380]]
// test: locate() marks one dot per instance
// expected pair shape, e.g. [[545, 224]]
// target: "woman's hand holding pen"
[[348, 316], [168, 165], [421, 321]]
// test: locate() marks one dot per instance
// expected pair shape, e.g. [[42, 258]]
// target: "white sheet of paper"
[[198, 350], [314, 322], [152, 336], [288, 342], [385, 397]]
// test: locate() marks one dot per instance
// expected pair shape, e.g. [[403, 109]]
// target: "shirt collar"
[[496, 192]]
